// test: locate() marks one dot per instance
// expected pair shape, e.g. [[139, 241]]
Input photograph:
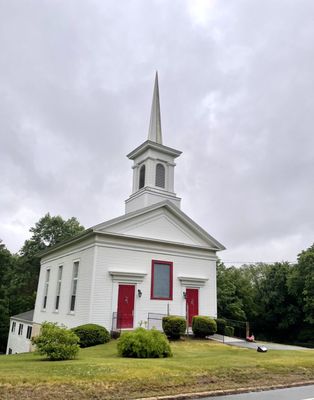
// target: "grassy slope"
[[197, 365]]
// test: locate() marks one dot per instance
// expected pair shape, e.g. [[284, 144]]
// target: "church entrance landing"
[[125, 306]]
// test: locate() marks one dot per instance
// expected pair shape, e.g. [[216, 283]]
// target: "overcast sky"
[[237, 97]]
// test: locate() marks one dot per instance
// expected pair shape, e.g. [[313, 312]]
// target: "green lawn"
[[196, 366]]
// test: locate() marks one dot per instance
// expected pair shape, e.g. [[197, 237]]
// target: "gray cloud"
[[237, 85]]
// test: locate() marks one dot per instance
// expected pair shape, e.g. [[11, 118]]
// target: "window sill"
[[161, 298]]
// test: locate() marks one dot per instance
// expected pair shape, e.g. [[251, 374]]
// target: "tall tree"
[[301, 287], [49, 231], [6, 263], [229, 303], [278, 313]]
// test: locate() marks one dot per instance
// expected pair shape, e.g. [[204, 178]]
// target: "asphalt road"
[[296, 393]]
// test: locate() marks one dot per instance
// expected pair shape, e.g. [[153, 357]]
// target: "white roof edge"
[[180, 214], [151, 239]]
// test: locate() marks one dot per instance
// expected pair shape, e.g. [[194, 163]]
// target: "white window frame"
[[20, 332], [74, 285], [13, 327], [46, 288], [29, 332], [141, 184], [158, 176], [58, 288]]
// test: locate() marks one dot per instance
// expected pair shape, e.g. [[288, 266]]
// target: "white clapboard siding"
[[85, 255], [18, 343]]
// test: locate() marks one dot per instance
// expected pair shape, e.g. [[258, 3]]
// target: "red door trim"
[[192, 300], [125, 307]]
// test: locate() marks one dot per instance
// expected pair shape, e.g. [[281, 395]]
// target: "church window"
[[160, 176], [142, 177], [29, 332], [13, 326], [46, 287], [161, 285], [74, 285], [58, 288], [21, 329]]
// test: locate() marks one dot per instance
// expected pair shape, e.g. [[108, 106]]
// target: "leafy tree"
[[49, 231], [6, 262], [277, 299], [277, 311], [301, 283], [229, 303]]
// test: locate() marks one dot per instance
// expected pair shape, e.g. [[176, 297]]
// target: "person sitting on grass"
[[250, 338]]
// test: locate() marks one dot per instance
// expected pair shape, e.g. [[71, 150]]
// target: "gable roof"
[[25, 316], [108, 227], [192, 226]]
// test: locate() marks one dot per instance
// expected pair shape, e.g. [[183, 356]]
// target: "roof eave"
[[156, 146], [153, 240], [74, 239]]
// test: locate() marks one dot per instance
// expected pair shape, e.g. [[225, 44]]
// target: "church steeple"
[[154, 133], [153, 169]]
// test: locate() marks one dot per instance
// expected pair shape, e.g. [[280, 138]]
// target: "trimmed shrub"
[[56, 342], [203, 326], [142, 343], [229, 330], [173, 326], [91, 334], [221, 324]]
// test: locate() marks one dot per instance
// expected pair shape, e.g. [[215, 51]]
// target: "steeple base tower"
[[153, 169], [147, 197]]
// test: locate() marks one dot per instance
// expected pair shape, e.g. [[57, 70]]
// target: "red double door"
[[125, 306], [191, 304]]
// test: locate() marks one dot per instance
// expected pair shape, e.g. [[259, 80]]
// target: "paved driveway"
[[247, 345], [296, 393]]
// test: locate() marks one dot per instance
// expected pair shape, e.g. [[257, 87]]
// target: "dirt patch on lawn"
[[138, 389]]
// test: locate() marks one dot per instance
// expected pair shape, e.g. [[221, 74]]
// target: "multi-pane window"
[[161, 287], [58, 288], [142, 177], [46, 287], [21, 329], [13, 326], [160, 176], [74, 285], [29, 332]]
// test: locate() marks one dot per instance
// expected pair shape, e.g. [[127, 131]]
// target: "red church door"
[[125, 306], [191, 304]]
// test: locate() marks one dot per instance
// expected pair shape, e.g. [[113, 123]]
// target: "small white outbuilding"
[[130, 271]]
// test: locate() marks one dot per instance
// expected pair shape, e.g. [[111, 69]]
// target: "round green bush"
[[229, 330], [221, 324], [142, 343], [203, 326], [174, 326], [55, 342], [91, 334]]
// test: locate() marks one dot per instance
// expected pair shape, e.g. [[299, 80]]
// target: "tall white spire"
[[153, 168], [154, 133]]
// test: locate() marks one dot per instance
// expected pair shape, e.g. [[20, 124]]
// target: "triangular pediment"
[[162, 221]]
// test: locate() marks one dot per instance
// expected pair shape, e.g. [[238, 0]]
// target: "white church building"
[[124, 273]]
